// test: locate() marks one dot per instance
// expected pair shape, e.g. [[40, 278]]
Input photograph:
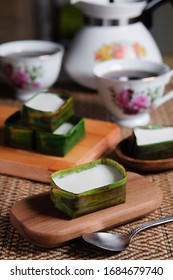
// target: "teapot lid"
[[105, 9]]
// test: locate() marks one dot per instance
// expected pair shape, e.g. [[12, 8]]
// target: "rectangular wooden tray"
[[100, 137], [36, 218]]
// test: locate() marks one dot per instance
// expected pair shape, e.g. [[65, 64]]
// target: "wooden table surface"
[[154, 243]]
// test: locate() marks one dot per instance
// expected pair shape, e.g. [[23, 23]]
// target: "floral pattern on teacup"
[[120, 50], [23, 78], [132, 102]]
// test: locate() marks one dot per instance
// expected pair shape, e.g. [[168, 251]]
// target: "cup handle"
[[167, 96], [169, 75], [163, 99]]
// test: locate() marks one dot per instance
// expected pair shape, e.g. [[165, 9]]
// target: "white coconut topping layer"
[[63, 129], [89, 179], [152, 136], [46, 102]]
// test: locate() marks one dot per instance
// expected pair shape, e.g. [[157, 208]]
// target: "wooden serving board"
[[100, 137], [38, 221]]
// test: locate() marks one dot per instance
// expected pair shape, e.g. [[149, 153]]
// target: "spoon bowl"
[[119, 242], [108, 241]]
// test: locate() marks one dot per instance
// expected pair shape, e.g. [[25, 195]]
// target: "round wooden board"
[[139, 165], [39, 222]]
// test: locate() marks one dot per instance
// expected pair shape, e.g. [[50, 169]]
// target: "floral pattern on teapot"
[[132, 102], [120, 50], [23, 78]]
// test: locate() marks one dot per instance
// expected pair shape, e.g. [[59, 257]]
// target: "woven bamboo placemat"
[[154, 243]]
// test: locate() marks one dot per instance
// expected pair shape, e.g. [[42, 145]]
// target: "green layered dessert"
[[88, 187], [16, 134], [63, 139], [45, 124], [47, 110], [152, 142]]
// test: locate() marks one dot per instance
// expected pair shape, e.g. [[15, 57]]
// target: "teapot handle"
[[155, 3]]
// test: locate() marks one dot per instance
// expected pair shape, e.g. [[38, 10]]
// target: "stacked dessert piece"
[[46, 124]]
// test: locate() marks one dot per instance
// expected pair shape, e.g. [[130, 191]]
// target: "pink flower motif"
[[36, 85], [20, 79], [124, 97], [130, 102], [140, 102], [23, 78]]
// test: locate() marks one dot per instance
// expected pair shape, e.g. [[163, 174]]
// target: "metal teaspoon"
[[118, 242]]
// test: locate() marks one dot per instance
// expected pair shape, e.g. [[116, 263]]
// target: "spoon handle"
[[153, 223]]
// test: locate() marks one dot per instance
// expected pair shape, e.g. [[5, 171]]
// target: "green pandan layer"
[[150, 151], [16, 134], [60, 145], [97, 198], [48, 121]]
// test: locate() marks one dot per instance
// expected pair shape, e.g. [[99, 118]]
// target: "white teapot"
[[114, 31]]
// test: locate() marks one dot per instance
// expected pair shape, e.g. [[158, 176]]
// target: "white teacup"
[[132, 89], [30, 65]]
